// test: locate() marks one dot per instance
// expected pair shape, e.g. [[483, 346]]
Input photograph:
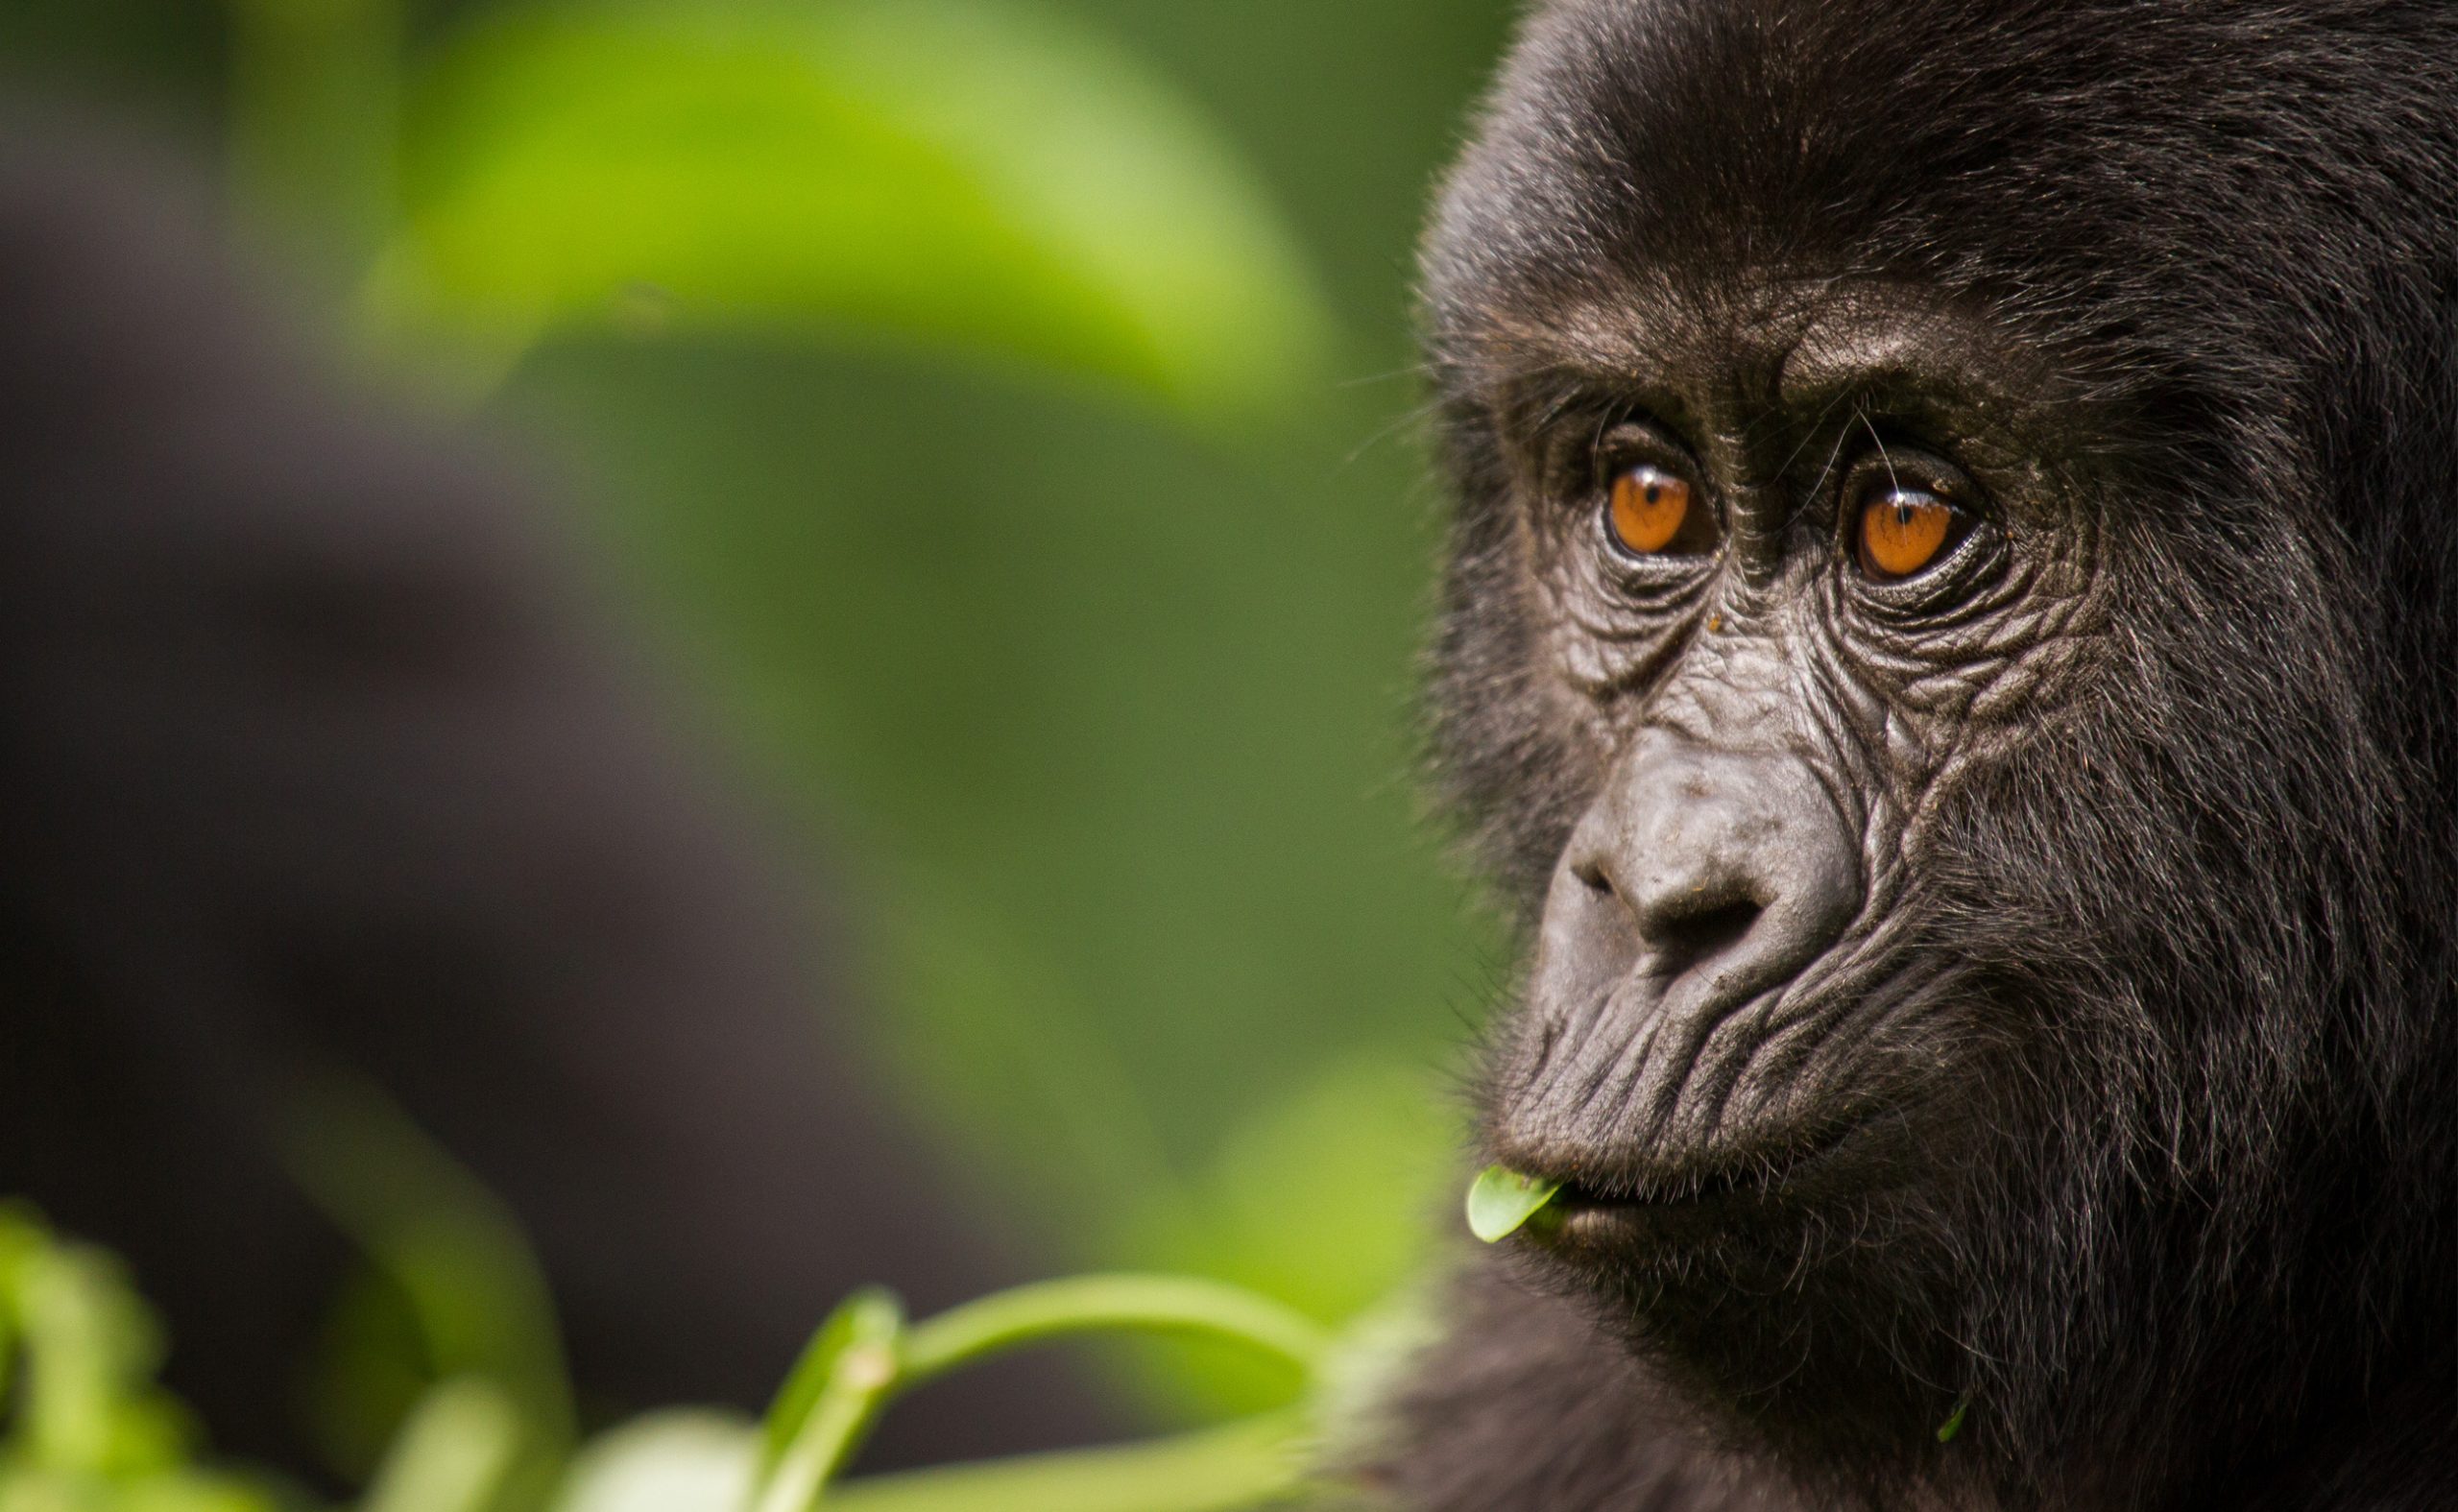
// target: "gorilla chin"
[[1743, 1266]]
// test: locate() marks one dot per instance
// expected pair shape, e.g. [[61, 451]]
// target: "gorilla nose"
[[1723, 871]]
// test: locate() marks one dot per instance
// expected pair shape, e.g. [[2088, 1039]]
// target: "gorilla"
[[1951, 647], [316, 761]]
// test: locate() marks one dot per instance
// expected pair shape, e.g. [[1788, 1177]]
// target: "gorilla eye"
[[1653, 513], [1903, 529]]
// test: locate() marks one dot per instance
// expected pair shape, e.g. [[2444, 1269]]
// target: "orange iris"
[[1649, 507], [1902, 533]]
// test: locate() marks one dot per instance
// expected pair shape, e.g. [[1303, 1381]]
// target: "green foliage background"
[[1002, 413]]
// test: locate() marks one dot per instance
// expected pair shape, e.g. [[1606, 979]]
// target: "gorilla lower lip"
[[1666, 1195], [1584, 1218], [1594, 1210]]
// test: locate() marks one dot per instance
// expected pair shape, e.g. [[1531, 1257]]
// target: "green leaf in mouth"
[[1503, 1201]]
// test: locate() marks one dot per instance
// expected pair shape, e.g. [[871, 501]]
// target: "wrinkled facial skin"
[[1992, 951], [1772, 728], [1732, 1049]]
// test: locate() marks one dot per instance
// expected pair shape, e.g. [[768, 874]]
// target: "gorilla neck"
[[2325, 1443], [2092, 1376]]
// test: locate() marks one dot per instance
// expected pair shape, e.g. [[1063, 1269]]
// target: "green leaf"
[[1952, 1425], [453, 1455], [667, 1462], [1503, 1201], [957, 174], [91, 1407], [1051, 1309], [456, 1254], [1318, 1200]]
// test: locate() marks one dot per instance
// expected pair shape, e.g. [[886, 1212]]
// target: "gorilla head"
[[1953, 641]]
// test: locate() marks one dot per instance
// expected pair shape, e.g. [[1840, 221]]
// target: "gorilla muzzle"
[[1698, 886]]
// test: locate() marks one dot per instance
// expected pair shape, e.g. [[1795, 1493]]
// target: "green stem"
[[837, 1390], [836, 1427], [1049, 1309], [74, 1367], [1246, 1464], [870, 1358]]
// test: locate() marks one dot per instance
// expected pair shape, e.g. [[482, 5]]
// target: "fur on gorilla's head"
[[2145, 1015]]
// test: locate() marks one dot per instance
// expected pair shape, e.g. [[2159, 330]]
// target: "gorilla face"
[[1801, 565], [1811, 568], [1937, 642]]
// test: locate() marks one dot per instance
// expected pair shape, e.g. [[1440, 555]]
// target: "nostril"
[[1686, 937], [1701, 878]]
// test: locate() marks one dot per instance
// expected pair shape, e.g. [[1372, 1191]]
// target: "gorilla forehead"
[[2173, 193]]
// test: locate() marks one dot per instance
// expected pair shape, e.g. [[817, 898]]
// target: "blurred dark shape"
[[315, 757]]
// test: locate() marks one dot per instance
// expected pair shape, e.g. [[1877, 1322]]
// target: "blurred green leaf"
[[1322, 1200], [314, 127], [1246, 1465], [90, 1352], [1030, 1064], [453, 1455], [91, 1432], [667, 1462], [455, 1255], [960, 174], [97, 1435], [23, 1240], [1325, 1196], [368, 1370], [33, 1491]]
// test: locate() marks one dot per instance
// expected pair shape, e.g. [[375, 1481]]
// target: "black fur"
[[2154, 984]]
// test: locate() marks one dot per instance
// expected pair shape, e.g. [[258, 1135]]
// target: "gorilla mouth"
[[1611, 1210], [1581, 1205]]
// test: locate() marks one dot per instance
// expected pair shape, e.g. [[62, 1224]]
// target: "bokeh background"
[[999, 413]]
